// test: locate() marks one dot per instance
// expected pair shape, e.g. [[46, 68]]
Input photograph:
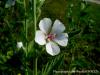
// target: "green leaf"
[[83, 6], [73, 33], [50, 66], [9, 54], [30, 46], [3, 58]]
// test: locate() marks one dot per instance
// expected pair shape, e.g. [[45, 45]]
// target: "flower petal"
[[45, 25], [62, 39], [58, 27], [40, 37], [52, 48], [19, 45]]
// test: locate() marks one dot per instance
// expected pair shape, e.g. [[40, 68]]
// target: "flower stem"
[[26, 31], [36, 65], [35, 27]]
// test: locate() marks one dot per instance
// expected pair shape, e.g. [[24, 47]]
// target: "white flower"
[[51, 36], [20, 45]]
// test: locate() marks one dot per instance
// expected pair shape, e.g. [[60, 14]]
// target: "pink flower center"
[[51, 36]]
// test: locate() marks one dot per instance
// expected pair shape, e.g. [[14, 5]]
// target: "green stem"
[[26, 31], [36, 66], [35, 27]]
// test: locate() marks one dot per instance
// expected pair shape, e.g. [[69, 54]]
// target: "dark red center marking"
[[51, 36]]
